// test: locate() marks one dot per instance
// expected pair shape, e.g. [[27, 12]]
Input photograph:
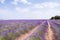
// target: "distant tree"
[[55, 17], [52, 18]]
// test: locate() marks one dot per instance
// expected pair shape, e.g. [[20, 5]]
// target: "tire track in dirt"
[[49, 34]]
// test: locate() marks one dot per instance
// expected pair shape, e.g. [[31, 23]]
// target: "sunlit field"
[[29, 29]]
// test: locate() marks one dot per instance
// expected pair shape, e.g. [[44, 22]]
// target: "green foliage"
[[11, 36], [2, 38], [55, 17], [34, 38], [41, 32]]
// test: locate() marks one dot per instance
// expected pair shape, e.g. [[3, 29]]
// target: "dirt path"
[[50, 34], [23, 37]]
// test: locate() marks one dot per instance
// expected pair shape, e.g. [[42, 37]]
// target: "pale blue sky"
[[29, 9]]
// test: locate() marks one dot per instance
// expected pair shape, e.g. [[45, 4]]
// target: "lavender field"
[[29, 29]]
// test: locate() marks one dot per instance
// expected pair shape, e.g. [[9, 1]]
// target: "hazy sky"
[[29, 9]]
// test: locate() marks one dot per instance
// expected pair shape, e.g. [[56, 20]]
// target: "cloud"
[[15, 2], [2, 1], [25, 2], [42, 10], [4, 13], [39, 10], [46, 5], [8, 14], [37, 6], [43, 13], [50, 4], [21, 10]]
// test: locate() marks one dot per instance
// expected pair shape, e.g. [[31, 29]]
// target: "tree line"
[[55, 18]]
